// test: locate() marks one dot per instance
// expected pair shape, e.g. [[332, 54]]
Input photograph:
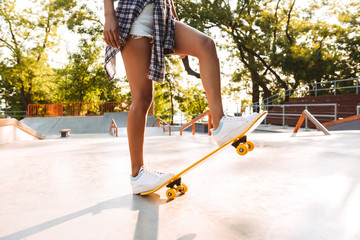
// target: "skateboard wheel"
[[184, 188], [250, 145], [171, 193], [242, 149]]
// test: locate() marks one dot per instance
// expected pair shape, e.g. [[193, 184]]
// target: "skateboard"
[[241, 144]]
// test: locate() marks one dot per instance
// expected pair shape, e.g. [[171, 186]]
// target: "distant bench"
[[65, 132]]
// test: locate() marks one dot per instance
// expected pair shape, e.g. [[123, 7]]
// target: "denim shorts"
[[143, 25]]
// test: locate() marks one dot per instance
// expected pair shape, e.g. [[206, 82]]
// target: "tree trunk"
[[287, 96], [267, 92], [188, 69], [171, 103], [172, 110], [25, 96], [255, 95], [255, 78]]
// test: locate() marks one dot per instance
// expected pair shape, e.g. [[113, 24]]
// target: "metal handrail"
[[284, 114], [335, 85], [159, 122], [198, 118], [115, 127], [13, 114], [289, 92]]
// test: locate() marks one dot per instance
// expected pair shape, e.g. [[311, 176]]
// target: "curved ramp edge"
[[19, 125], [349, 123]]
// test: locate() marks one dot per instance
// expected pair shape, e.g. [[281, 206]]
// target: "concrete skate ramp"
[[349, 123], [80, 125], [41, 124], [120, 119], [13, 130]]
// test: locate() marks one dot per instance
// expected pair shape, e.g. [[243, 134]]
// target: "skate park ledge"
[[14, 130]]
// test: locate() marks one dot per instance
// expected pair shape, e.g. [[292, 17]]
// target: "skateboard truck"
[[237, 142], [243, 146], [174, 188], [177, 182]]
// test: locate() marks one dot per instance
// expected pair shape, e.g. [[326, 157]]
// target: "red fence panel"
[[76, 109]]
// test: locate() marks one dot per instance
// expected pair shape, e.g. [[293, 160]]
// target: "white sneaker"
[[231, 127], [148, 179]]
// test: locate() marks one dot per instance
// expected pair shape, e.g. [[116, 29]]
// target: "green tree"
[[304, 51], [171, 97], [167, 92], [26, 34], [278, 44], [193, 100], [83, 79], [348, 41]]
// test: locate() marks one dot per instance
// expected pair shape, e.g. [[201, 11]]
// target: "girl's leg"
[[136, 56], [189, 41]]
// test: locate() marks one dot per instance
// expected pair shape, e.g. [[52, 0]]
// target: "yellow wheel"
[[183, 189], [250, 145], [171, 193], [242, 149]]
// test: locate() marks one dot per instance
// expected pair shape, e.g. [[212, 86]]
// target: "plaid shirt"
[[164, 33]]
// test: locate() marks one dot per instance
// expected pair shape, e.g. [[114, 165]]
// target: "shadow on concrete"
[[146, 227], [190, 236]]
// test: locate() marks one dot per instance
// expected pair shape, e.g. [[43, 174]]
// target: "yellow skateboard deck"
[[240, 143]]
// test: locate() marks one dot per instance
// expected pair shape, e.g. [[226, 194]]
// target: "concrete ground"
[[305, 187]]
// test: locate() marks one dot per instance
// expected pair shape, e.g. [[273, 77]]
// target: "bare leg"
[[189, 41], [136, 56]]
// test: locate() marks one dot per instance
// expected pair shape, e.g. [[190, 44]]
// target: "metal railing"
[[283, 114], [13, 114], [159, 122], [307, 115], [334, 86], [330, 86], [181, 119], [198, 118], [114, 127], [76, 109]]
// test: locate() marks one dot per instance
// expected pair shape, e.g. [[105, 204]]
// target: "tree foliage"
[[279, 44], [348, 40], [276, 44], [26, 34], [167, 93], [193, 101], [83, 78]]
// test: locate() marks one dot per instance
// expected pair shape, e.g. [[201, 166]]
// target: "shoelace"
[[232, 118], [146, 169], [236, 118]]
